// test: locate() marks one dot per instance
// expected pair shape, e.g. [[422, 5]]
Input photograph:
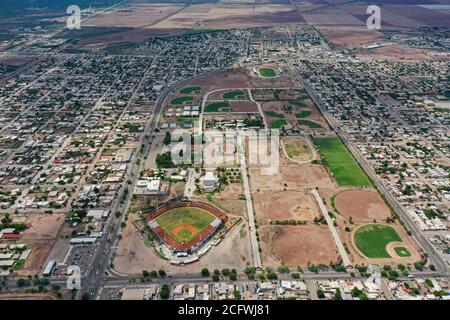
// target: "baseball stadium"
[[185, 226]]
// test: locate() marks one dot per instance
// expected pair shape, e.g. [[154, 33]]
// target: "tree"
[[338, 295], [226, 272], [22, 282], [320, 294], [162, 273], [164, 291], [233, 276], [215, 277], [204, 272], [145, 274]]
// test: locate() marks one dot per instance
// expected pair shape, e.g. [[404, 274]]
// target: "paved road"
[[417, 234], [337, 240], [248, 200]]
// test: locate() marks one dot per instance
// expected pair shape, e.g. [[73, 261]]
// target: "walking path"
[[337, 240]]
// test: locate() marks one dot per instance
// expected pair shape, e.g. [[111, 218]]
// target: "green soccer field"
[[372, 239], [342, 164], [267, 72], [184, 216]]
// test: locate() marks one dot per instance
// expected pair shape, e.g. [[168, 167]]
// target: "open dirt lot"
[[134, 15], [285, 205], [399, 52], [133, 255], [40, 238], [294, 176], [297, 245], [228, 16], [361, 205], [228, 199], [350, 36]]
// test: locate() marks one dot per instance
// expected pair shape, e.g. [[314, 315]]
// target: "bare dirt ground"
[[133, 256], [285, 205], [350, 36], [361, 205], [15, 61], [297, 245], [139, 15], [228, 16], [243, 106], [398, 52], [40, 238], [228, 199], [291, 177]]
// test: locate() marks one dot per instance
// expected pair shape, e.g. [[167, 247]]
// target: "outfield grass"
[[274, 114], [196, 217], [216, 106], [310, 124], [181, 100], [277, 124], [402, 252], [372, 239], [297, 103], [298, 150], [189, 90], [234, 94], [267, 72], [303, 114], [342, 164]]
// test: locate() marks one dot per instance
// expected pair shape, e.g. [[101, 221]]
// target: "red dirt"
[[303, 244], [361, 205]]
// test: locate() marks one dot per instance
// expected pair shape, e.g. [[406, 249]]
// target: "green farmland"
[[342, 164], [372, 239]]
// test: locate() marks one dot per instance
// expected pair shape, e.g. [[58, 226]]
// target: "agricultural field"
[[341, 163], [183, 224], [372, 240]]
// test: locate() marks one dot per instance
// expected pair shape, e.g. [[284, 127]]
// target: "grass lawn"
[[298, 150], [181, 100], [310, 124], [342, 164], [303, 114], [234, 94], [196, 217], [267, 72], [277, 124], [216, 106], [402, 252], [372, 240], [274, 114], [297, 103], [189, 90]]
